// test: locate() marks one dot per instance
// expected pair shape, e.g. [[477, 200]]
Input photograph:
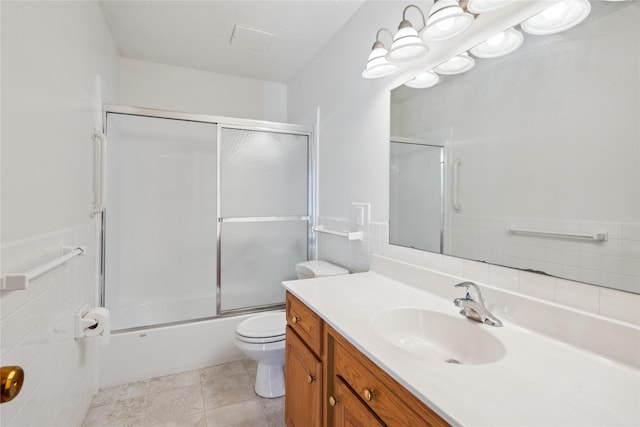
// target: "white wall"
[[354, 162], [166, 87], [51, 54], [354, 115]]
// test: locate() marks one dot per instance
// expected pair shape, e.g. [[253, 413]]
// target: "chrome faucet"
[[474, 308]]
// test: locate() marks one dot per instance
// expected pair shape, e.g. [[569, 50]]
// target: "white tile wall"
[[37, 330], [573, 257]]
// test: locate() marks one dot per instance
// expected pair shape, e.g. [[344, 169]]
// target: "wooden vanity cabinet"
[[303, 384], [347, 410], [374, 388], [330, 383], [303, 366]]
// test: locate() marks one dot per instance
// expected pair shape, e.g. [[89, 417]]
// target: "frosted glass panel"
[[161, 220], [256, 257], [415, 206], [263, 173]]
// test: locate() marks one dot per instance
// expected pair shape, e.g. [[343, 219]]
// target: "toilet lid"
[[263, 325]]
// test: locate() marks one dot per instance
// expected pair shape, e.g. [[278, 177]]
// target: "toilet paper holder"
[[82, 324]]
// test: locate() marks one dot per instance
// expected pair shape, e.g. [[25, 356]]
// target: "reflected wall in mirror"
[[546, 139]]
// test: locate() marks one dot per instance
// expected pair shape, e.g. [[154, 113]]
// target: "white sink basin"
[[437, 337]]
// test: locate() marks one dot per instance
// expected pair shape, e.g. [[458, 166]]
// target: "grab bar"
[[101, 175], [349, 235], [455, 185], [15, 282], [598, 236]]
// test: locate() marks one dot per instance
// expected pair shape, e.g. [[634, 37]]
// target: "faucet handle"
[[468, 286]]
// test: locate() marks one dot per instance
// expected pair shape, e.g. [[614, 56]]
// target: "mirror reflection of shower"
[[416, 206]]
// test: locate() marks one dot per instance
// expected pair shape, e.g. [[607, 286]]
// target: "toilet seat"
[[263, 329]]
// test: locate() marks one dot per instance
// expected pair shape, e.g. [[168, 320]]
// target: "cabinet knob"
[[333, 401], [310, 379], [368, 394], [294, 319]]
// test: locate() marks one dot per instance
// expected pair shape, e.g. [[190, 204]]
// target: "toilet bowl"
[[262, 337]]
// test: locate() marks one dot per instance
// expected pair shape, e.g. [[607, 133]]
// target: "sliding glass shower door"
[[264, 184], [160, 228], [203, 219]]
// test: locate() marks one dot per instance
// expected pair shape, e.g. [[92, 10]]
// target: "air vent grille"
[[251, 38]]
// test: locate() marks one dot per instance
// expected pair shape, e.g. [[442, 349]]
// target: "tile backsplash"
[[37, 329], [611, 303]]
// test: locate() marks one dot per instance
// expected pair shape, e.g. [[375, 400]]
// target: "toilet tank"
[[309, 269]]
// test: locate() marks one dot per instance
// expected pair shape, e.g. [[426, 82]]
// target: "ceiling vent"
[[251, 38]]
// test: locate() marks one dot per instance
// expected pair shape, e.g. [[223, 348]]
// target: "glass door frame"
[[309, 217], [229, 123]]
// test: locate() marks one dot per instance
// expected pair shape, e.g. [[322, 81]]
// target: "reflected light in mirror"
[[423, 80], [560, 17], [499, 45], [456, 65], [481, 6]]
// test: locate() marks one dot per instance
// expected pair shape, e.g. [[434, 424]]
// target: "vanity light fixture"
[[449, 18], [456, 65], [560, 17], [446, 20], [423, 80], [499, 45], [407, 43], [377, 65], [481, 6]]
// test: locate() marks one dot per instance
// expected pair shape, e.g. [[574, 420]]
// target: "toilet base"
[[270, 380]]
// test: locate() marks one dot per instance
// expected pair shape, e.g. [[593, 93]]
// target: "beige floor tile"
[[228, 390], [243, 414], [166, 405], [250, 365], [274, 411], [221, 371], [121, 392], [170, 382], [180, 420], [123, 412]]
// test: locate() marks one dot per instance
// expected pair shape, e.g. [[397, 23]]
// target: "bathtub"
[[142, 354], [134, 315]]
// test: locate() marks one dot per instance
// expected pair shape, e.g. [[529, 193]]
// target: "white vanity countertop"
[[539, 382]]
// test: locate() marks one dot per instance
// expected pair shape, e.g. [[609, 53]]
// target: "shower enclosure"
[[205, 215]]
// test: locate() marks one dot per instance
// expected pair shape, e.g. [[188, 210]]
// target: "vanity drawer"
[[387, 398], [306, 323]]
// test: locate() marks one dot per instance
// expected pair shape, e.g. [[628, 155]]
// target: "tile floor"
[[218, 396]]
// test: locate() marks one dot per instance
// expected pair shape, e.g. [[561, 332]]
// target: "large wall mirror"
[[531, 160]]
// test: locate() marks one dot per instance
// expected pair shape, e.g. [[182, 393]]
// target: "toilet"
[[262, 337]]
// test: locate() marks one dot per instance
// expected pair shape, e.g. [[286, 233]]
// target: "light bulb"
[[497, 39], [445, 25], [555, 11]]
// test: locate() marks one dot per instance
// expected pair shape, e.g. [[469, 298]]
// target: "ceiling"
[[197, 34]]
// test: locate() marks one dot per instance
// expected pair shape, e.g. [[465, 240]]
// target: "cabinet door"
[[349, 411], [303, 384]]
